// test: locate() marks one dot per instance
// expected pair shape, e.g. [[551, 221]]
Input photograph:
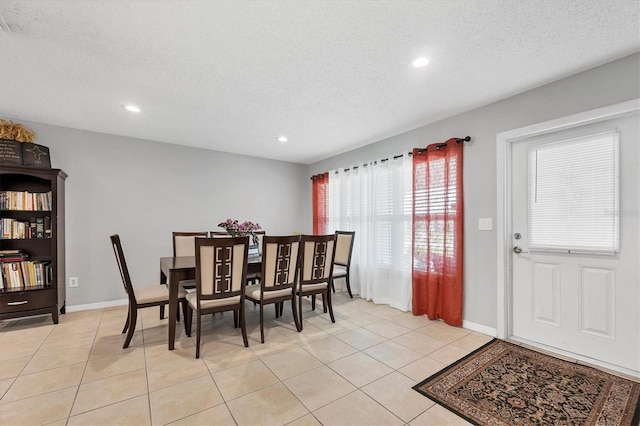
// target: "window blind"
[[573, 195]]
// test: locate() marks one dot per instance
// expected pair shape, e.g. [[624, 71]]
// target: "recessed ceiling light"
[[420, 62], [132, 108], [282, 139]]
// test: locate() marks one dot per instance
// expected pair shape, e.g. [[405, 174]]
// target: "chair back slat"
[[279, 262], [221, 267], [318, 255], [184, 243], [344, 247], [122, 266], [219, 234]]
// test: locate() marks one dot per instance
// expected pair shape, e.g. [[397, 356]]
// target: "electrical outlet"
[[73, 281], [485, 224]]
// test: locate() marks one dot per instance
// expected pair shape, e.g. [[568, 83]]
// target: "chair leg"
[[199, 324], [329, 304], [346, 278], [300, 310], [126, 324], [243, 326], [161, 312], [185, 312], [277, 306], [133, 318], [324, 303], [188, 319], [295, 313], [235, 318], [261, 322], [313, 302], [333, 287], [178, 313]]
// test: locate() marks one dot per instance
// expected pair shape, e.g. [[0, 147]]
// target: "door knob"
[[518, 250]]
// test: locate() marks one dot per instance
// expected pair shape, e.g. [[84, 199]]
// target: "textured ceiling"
[[330, 75]]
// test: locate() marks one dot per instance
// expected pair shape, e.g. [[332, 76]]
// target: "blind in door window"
[[573, 195]]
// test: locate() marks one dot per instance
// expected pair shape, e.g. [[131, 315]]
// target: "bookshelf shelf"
[[32, 221]]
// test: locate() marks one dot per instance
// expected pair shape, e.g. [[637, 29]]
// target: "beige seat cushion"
[[339, 271], [253, 291], [156, 293], [313, 287], [192, 298]]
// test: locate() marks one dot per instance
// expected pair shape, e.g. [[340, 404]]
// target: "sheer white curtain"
[[375, 201]]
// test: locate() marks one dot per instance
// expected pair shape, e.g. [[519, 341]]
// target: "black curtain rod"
[[395, 157]]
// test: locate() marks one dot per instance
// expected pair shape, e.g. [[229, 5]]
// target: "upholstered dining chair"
[[156, 295], [279, 276], [342, 263], [317, 253], [221, 273], [184, 245]]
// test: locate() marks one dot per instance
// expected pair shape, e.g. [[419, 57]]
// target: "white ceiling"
[[330, 75]]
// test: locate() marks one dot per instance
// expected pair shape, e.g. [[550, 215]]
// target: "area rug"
[[506, 384]]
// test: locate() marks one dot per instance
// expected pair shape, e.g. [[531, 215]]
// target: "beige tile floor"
[[358, 371]]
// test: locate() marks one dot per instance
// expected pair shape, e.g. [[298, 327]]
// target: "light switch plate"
[[485, 224]]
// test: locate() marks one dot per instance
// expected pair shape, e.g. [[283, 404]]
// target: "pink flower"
[[235, 228]]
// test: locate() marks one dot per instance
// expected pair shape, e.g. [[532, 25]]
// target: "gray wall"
[[144, 190], [605, 85]]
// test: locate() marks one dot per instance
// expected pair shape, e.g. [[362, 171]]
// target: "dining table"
[[179, 268]]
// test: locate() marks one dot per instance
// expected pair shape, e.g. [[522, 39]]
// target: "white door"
[[570, 291]]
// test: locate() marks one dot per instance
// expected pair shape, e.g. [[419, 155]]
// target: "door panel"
[[597, 288], [545, 291], [581, 303]]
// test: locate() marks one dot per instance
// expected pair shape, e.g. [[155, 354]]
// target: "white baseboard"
[[480, 328], [97, 305]]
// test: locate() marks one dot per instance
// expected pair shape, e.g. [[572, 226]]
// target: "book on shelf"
[[23, 200], [26, 274], [13, 255], [39, 227], [35, 227]]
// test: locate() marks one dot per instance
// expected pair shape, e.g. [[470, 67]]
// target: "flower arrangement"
[[237, 229], [15, 131]]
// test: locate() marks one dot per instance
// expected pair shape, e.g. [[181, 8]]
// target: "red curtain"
[[319, 199], [437, 273]]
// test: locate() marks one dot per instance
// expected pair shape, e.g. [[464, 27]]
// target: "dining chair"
[[184, 245], [317, 254], [279, 276], [342, 263], [156, 295], [221, 272]]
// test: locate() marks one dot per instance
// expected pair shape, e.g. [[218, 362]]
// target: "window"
[[573, 195], [435, 208]]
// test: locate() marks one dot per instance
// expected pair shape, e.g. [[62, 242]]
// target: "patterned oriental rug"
[[505, 384]]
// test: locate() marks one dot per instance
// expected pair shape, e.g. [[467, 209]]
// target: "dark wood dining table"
[[176, 269]]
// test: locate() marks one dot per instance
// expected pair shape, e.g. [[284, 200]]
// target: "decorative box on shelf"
[[24, 154]]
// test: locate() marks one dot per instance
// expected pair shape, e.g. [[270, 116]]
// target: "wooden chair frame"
[[346, 264], [175, 253], [132, 314], [222, 283], [277, 269], [317, 255]]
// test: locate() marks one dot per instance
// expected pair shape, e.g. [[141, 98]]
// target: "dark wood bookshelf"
[[45, 299]]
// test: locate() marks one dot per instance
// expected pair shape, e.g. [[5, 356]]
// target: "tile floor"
[[358, 371]]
